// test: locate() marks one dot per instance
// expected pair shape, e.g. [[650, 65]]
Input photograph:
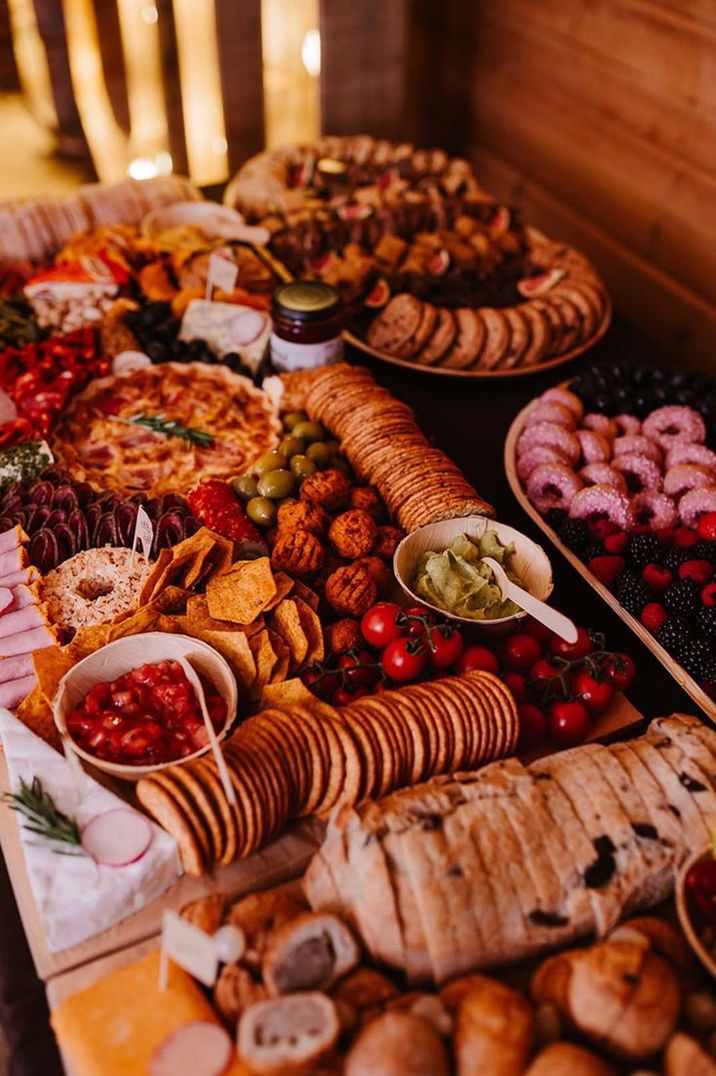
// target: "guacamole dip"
[[457, 580]]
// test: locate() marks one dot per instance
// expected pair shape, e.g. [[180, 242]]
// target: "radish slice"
[[117, 838], [8, 411], [129, 361], [247, 327], [198, 1048], [6, 598]]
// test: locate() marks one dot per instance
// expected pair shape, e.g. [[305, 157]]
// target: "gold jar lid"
[[305, 300]]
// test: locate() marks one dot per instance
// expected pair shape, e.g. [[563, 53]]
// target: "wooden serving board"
[[677, 671]]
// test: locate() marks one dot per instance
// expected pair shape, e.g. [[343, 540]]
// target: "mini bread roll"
[[397, 1044], [206, 913], [664, 938], [235, 990], [566, 1059], [287, 1034], [258, 915], [495, 1030], [309, 953], [684, 1057]]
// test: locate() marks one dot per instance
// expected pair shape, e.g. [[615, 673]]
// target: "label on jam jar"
[[287, 355]]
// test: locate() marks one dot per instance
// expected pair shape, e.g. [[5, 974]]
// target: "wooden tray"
[[677, 671]]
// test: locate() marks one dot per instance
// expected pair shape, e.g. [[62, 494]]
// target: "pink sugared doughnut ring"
[[552, 485], [652, 509], [639, 445], [674, 425], [595, 447], [600, 424], [546, 433], [551, 411], [567, 399], [627, 425], [532, 459], [603, 474], [603, 502], [640, 472], [680, 479], [696, 503], [688, 452]]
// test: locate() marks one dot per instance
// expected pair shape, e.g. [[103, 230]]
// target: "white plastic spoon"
[[557, 622]]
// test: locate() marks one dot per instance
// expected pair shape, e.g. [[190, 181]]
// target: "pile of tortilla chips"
[[262, 622]]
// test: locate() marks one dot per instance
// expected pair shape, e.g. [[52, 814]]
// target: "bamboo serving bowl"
[[685, 918]]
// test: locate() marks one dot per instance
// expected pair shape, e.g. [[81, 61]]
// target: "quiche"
[[229, 422]]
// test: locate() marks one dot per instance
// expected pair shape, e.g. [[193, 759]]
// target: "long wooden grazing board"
[[677, 671]]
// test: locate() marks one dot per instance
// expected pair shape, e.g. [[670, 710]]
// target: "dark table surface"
[[469, 420]]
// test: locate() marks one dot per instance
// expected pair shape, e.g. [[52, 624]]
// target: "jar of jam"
[[307, 325]]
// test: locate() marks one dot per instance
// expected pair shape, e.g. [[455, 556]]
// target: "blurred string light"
[[291, 50], [311, 52], [142, 168], [202, 98], [149, 133], [31, 61]]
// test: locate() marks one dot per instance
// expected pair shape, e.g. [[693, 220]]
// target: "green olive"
[[244, 486], [292, 446], [309, 431], [320, 454], [339, 464], [270, 461], [302, 467], [293, 418], [261, 511], [276, 484]]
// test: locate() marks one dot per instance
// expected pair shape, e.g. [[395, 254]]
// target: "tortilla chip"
[[234, 646], [266, 659], [215, 560], [144, 619], [312, 629], [286, 620], [51, 664], [156, 578], [87, 640], [172, 600], [35, 713], [283, 656], [300, 590], [286, 693], [241, 595], [284, 586], [200, 619]]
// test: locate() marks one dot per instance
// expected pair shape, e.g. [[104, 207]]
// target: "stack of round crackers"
[[303, 758], [380, 437]]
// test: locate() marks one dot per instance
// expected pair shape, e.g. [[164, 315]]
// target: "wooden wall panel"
[[238, 29]]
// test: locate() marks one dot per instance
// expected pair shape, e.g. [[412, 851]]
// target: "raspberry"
[[684, 538], [602, 528], [698, 570], [653, 615], [666, 535], [616, 543], [607, 569], [708, 595], [657, 577], [707, 526]]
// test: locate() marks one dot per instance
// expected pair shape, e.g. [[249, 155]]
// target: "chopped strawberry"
[[607, 569], [616, 542], [666, 535], [602, 528], [708, 594], [653, 615], [657, 577], [684, 537], [698, 570], [707, 527]]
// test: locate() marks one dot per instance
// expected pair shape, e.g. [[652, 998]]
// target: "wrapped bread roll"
[[495, 1030], [397, 1044], [566, 1059], [287, 1034], [684, 1057], [309, 953]]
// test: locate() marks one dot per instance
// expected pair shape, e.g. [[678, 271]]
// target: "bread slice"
[[374, 900], [693, 769], [540, 334], [418, 966], [470, 339], [520, 338], [396, 324], [423, 331], [472, 874], [680, 801], [441, 341], [497, 339], [665, 820], [424, 853], [289, 1033]]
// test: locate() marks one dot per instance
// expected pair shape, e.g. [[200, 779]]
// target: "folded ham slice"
[[6, 599], [24, 575], [13, 560], [22, 596], [16, 668], [21, 620], [26, 641], [12, 538], [14, 691]]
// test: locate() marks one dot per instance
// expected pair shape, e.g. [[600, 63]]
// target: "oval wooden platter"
[[687, 682]]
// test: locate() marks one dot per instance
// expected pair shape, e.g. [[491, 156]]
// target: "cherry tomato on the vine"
[[382, 624], [404, 660], [572, 651], [520, 652], [476, 658], [538, 631], [517, 684], [342, 697], [445, 646], [321, 683], [621, 671], [533, 724], [569, 722], [359, 669], [419, 620], [545, 675], [596, 694]]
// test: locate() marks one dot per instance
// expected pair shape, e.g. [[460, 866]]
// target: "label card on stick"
[[189, 947], [143, 533], [222, 274]]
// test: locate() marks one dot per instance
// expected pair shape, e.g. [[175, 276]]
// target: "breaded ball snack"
[[302, 515], [297, 552], [328, 489], [343, 635], [387, 541], [378, 570], [367, 499], [353, 534], [350, 590]]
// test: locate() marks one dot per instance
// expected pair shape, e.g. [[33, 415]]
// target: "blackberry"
[[704, 550], [705, 622], [695, 656], [575, 535], [555, 517], [632, 592], [709, 671], [645, 549], [594, 549], [674, 635], [681, 597], [675, 557]]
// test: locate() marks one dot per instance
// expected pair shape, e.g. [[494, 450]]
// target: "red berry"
[[653, 615], [533, 724], [708, 594], [520, 652], [684, 538], [700, 884], [616, 543], [698, 570], [607, 569], [602, 528], [707, 527], [656, 577], [666, 535], [517, 684]]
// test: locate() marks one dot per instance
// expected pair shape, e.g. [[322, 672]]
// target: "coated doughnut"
[[654, 509], [639, 445], [640, 472], [674, 425], [603, 474], [551, 411], [603, 502], [687, 452], [553, 485], [567, 399], [627, 425], [696, 503], [546, 433], [600, 424], [534, 457], [680, 479], [595, 447]]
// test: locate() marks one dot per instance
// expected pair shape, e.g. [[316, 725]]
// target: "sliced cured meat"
[[16, 668], [520, 338], [199, 1048], [441, 341], [12, 692], [26, 642], [471, 335], [12, 560], [12, 538], [32, 616], [6, 599], [497, 338], [22, 596]]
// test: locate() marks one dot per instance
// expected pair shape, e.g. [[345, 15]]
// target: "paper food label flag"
[[189, 947], [222, 274], [143, 533]]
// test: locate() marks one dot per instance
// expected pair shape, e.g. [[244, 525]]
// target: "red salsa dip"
[[146, 716]]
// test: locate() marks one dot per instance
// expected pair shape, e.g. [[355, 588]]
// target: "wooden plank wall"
[[599, 116]]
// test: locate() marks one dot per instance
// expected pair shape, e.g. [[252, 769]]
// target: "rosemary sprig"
[[169, 428], [39, 808]]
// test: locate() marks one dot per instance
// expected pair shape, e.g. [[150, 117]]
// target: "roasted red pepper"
[[216, 505]]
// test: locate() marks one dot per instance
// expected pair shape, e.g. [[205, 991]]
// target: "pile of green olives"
[[278, 474]]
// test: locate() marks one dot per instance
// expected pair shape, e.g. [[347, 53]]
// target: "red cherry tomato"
[[621, 671], [476, 658], [520, 652], [517, 684], [321, 682], [538, 631], [359, 669], [571, 651], [404, 660], [569, 722], [533, 724], [545, 675], [596, 694], [418, 620], [382, 624], [342, 697], [446, 646]]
